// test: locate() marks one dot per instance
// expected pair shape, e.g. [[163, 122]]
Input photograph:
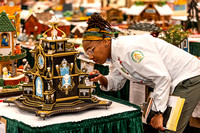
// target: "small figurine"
[[26, 66], [9, 74], [18, 49], [66, 85], [57, 69], [52, 97], [5, 72], [4, 41], [54, 32], [48, 99], [49, 72], [22, 37], [84, 69]]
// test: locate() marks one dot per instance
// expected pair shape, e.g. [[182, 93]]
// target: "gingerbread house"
[[7, 44], [8, 58], [37, 23], [58, 85], [150, 11], [112, 15]]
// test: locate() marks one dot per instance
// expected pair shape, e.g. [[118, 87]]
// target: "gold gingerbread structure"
[[58, 86]]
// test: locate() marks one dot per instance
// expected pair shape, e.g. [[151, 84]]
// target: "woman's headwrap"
[[94, 34]]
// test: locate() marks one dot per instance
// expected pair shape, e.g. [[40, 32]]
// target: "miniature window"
[[114, 13], [185, 43], [4, 40], [150, 10], [60, 46]]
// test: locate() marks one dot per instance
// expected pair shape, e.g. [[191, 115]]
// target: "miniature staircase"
[[94, 99], [47, 107]]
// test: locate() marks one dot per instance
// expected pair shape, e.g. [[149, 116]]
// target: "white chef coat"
[[151, 61]]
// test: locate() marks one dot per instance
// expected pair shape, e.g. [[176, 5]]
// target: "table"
[[120, 117]]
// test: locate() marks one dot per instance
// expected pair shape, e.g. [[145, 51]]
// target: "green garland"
[[11, 87], [139, 3], [68, 13], [13, 57], [161, 3], [1, 82]]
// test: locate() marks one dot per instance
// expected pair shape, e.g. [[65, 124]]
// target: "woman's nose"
[[91, 57]]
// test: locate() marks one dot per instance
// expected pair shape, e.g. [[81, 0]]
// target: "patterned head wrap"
[[94, 34]]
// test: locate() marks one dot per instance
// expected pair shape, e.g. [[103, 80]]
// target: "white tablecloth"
[[29, 118]]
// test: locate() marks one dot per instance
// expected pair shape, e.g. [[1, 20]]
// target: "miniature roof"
[[25, 14], [5, 23], [10, 10], [41, 6], [44, 18], [95, 5], [151, 0], [117, 29], [136, 10], [164, 10], [80, 27], [106, 8], [145, 27]]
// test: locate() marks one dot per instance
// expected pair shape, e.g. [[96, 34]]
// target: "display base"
[[45, 110], [10, 92]]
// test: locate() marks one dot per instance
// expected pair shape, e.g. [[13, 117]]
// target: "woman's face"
[[96, 51]]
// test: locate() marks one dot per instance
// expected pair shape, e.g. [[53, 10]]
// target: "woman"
[[146, 60]]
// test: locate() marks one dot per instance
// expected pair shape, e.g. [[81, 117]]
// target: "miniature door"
[[38, 87], [64, 69]]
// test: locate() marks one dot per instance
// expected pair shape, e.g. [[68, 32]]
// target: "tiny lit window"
[[5, 40], [150, 11]]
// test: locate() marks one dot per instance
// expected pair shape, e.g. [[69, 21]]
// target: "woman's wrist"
[[103, 81]]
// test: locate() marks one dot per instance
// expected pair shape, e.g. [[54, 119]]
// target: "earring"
[[106, 44]]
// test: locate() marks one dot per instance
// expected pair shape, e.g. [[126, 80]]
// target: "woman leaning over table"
[[146, 60]]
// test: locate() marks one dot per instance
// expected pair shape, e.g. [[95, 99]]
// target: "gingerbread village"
[[54, 84]]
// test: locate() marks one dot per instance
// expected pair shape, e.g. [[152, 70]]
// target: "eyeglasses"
[[91, 50]]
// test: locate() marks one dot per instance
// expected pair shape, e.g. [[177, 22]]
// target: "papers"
[[170, 116], [177, 104]]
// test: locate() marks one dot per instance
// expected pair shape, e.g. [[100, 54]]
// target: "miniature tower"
[[58, 85], [6, 40], [7, 57]]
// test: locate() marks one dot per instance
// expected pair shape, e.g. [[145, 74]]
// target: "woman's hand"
[[100, 77], [95, 79], [157, 122]]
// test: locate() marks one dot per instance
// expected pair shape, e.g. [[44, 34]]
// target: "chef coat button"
[[141, 81]]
